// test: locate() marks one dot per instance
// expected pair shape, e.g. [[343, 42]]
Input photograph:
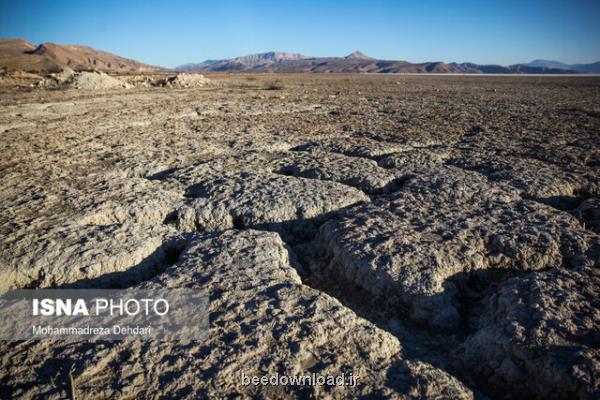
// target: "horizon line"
[[305, 56]]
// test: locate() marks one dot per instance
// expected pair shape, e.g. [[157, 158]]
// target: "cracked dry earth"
[[436, 236]]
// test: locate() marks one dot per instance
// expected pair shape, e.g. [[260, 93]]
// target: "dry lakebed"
[[435, 236]]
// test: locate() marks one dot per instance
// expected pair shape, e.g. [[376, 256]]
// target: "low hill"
[[20, 55]]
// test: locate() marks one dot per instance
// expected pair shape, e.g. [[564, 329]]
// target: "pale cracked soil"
[[436, 236]]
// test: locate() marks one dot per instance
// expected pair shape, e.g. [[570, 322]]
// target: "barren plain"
[[437, 236]]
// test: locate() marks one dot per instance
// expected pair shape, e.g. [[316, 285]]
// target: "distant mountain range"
[[359, 62], [593, 68], [20, 55]]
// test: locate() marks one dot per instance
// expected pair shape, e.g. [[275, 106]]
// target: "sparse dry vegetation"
[[275, 85]]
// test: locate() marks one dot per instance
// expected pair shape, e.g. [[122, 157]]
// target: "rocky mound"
[[69, 79], [93, 81], [183, 81]]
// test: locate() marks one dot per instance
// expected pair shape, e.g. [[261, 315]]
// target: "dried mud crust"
[[455, 220], [358, 172], [291, 206], [263, 320], [550, 184], [539, 336], [87, 255], [415, 248]]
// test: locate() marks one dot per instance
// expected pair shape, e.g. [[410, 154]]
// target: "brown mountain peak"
[[358, 55]]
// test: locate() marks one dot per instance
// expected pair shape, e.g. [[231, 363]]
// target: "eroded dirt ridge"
[[431, 265]]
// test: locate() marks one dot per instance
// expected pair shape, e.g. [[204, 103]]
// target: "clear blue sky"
[[169, 33]]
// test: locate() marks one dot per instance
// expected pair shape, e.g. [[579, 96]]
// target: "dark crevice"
[[308, 147], [36, 283], [562, 203], [419, 342], [238, 222], [587, 214], [369, 135], [197, 190], [473, 290], [172, 255], [162, 175], [305, 146], [392, 186], [581, 112], [566, 202], [399, 182], [286, 171], [294, 231], [474, 130], [171, 218]]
